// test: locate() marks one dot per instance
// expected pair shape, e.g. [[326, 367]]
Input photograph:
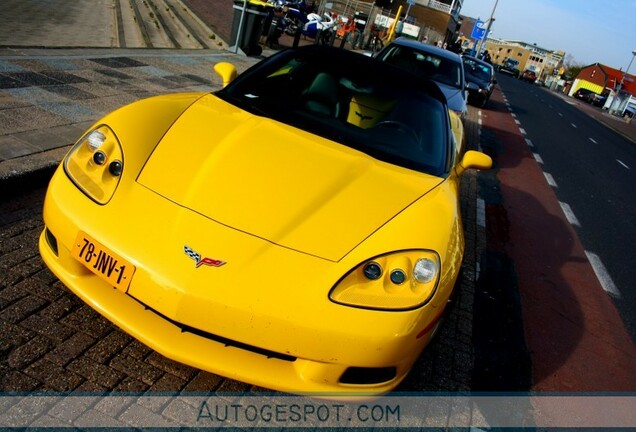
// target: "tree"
[[571, 66]]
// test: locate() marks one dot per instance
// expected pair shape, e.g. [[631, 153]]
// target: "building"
[[438, 20], [602, 79], [540, 60], [616, 84]]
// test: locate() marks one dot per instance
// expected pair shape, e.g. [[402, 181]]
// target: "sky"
[[592, 31]]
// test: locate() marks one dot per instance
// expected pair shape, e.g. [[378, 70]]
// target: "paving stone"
[[61, 307], [118, 62], [69, 92], [131, 385], [15, 335], [203, 382], [71, 348], [8, 82], [137, 350], [22, 309], [88, 321], [132, 367], [16, 381], [96, 373], [170, 366], [47, 327], [53, 375], [29, 352], [12, 293], [12, 147], [232, 386], [109, 346]]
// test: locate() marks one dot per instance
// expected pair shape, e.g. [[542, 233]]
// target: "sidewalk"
[[48, 98]]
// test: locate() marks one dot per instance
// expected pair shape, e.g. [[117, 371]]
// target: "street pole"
[[623, 82], [483, 41], [628, 66]]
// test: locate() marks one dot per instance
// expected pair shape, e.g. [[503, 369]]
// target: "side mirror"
[[227, 72], [474, 160]]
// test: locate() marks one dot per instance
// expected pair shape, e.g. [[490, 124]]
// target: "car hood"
[[454, 97], [479, 82], [277, 182]]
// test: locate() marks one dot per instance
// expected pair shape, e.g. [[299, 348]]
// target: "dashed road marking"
[[569, 214], [513, 115], [523, 131], [603, 276], [574, 126], [592, 139], [537, 157], [621, 162], [529, 143], [518, 122], [550, 180], [561, 114]]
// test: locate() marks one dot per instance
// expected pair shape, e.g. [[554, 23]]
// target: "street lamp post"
[[622, 85], [629, 65], [490, 21]]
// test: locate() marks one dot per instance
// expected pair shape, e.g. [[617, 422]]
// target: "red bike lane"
[[575, 336]]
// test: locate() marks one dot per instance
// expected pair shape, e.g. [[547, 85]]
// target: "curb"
[[27, 172]]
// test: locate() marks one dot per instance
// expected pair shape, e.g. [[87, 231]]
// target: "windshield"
[[426, 64], [478, 70], [354, 105]]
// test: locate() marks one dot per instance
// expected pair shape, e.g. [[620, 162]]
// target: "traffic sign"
[[479, 30]]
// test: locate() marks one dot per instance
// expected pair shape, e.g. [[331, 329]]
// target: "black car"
[[480, 80], [583, 94]]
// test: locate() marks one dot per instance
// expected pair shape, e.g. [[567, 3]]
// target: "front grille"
[[362, 375], [220, 339]]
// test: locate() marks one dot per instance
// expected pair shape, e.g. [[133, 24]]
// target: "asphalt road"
[[593, 171]]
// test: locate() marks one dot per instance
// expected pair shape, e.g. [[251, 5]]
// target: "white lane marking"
[[603, 276], [481, 213], [620, 162], [479, 113], [529, 143], [569, 214], [513, 115], [573, 125], [479, 121], [523, 131], [537, 157], [592, 139], [561, 114], [550, 180], [518, 122]]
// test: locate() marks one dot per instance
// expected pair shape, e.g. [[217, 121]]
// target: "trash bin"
[[245, 34]]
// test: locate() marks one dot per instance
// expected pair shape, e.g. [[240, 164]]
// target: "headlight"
[[95, 164], [398, 281]]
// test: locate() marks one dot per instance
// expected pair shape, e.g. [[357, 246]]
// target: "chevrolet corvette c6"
[[298, 229]]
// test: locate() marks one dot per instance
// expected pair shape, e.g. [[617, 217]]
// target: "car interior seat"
[[322, 96]]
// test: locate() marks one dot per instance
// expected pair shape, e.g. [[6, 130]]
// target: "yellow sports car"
[[298, 229]]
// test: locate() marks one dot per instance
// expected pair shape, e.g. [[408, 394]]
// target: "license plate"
[[103, 262]]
